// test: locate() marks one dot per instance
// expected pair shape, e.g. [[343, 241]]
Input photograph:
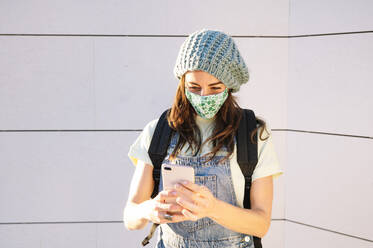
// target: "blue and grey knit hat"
[[214, 52]]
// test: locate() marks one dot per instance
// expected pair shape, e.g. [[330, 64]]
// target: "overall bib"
[[203, 233]]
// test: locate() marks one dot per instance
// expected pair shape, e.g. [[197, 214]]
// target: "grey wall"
[[79, 80], [329, 182]]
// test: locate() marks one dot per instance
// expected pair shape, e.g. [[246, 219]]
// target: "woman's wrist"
[[143, 210], [134, 216], [216, 210]]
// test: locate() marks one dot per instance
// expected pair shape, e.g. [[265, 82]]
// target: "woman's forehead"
[[200, 77]]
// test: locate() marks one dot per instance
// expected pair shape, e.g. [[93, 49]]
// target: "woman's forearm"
[[134, 216], [248, 221]]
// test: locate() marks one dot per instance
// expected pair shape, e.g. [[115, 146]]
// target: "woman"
[[205, 117]]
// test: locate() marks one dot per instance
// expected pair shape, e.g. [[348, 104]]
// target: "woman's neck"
[[203, 121]]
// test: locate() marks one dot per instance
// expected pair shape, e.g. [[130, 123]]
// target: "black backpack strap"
[[257, 242], [247, 151], [157, 152], [158, 148], [247, 155]]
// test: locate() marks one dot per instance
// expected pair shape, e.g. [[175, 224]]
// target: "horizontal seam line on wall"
[[324, 133], [97, 222], [58, 222], [328, 230], [139, 130], [73, 130], [73, 222], [160, 35]]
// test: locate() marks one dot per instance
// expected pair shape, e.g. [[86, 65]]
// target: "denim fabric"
[[204, 232]]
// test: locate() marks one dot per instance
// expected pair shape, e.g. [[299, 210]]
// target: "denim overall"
[[204, 232]]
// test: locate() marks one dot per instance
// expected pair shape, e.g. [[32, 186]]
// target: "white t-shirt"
[[267, 158]]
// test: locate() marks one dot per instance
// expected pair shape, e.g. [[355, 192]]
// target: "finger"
[[168, 207], [178, 218], [175, 208], [189, 215], [161, 217], [196, 198], [193, 198], [167, 217], [166, 196], [170, 218], [171, 200], [170, 192], [201, 189], [192, 206], [183, 190], [162, 206], [157, 217]]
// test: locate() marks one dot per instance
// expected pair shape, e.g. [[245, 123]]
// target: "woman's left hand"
[[197, 200]]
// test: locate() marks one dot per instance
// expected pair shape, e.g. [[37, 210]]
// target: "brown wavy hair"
[[181, 119]]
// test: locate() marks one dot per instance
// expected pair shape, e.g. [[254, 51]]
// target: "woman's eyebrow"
[[212, 84], [215, 83]]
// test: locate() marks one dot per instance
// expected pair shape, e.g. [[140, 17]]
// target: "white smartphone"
[[172, 174]]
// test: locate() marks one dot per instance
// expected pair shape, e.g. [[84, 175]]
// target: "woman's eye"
[[194, 88], [216, 88]]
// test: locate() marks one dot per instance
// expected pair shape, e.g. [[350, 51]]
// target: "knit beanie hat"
[[214, 52]]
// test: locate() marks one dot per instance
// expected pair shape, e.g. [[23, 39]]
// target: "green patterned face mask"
[[207, 106]]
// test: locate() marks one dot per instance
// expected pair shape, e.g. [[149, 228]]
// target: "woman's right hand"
[[157, 209]]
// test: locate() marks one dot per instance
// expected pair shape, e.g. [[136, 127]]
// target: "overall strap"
[[157, 152], [247, 155]]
